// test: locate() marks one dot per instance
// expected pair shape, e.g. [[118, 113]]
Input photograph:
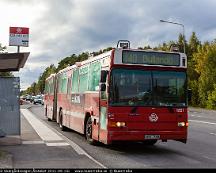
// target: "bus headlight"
[[181, 124], [117, 124], [120, 124]]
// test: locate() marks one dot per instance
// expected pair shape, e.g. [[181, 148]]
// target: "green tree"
[[181, 43], [68, 61], [193, 75], [6, 74], [205, 59], [194, 43], [145, 47], [42, 78]]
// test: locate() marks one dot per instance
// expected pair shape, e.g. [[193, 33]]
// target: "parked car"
[[32, 99], [28, 98], [38, 99]]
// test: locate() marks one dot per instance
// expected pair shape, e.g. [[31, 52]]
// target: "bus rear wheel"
[[88, 132], [62, 127]]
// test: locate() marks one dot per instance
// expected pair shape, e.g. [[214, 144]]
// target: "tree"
[[68, 61], [181, 43], [205, 59], [6, 74], [194, 43], [40, 86]]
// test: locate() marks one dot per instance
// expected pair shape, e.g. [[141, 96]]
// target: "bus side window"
[[75, 81], [63, 83], [94, 78], [68, 85], [83, 79]]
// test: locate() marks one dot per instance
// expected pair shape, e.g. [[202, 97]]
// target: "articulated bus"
[[122, 95]]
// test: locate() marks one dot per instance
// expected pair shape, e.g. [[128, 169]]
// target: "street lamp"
[[182, 28]]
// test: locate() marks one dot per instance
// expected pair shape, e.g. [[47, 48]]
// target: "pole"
[[18, 49], [183, 37], [182, 28]]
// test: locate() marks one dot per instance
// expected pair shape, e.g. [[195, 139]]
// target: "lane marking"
[[207, 157], [213, 134], [195, 115], [43, 131], [57, 144], [32, 142], [204, 122]]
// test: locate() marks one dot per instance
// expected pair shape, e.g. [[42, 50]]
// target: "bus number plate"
[[152, 136]]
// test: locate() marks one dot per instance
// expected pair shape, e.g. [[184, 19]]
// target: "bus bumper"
[[141, 136]]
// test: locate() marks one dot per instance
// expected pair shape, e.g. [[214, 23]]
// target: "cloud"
[[61, 28]]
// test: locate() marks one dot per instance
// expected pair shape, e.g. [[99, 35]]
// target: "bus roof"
[[105, 54], [90, 59]]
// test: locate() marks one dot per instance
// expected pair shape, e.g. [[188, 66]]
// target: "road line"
[[32, 142], [43, 131], [57, 144], [204, 122], [195, 116], [213, 134]]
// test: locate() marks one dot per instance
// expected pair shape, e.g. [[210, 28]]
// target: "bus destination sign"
[[150, 58]]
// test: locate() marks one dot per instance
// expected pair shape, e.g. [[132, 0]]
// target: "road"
[[199, 152]]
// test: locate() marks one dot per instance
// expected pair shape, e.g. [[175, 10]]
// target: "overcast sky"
[[59, 28]]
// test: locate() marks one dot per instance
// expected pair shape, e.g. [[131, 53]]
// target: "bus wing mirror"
[[103, 76], [189, 95], [103, 87]]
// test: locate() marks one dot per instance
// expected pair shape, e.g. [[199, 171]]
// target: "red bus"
[[50, 104], [122, 95]]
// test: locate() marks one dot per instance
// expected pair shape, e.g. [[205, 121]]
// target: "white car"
[[38, 99]]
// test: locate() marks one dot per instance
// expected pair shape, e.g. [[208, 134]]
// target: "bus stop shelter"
[[10, 93], [12, 61]]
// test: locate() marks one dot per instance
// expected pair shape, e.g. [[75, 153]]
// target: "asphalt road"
[[199, 152]]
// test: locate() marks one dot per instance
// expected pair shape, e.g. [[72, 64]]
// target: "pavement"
[[39, 146]]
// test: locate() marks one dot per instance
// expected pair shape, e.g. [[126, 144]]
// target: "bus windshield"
[[147, 88]]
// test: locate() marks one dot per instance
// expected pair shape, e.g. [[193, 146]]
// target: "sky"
[[60, 28]]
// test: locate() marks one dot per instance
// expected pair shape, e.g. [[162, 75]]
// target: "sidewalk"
[[40, 148]]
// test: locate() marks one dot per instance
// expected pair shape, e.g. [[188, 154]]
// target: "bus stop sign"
[[19, 36]]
